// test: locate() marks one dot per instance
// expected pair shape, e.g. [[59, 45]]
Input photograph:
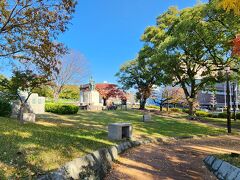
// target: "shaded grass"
[[32, 149], [221, 122]]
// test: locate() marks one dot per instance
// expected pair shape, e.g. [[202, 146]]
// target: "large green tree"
[[192, 46], [141, 74], [29, 30]]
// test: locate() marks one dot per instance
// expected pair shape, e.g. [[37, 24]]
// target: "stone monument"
[[147, 117], [119, 131]]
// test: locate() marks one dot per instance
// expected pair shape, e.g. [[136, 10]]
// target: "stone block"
[[125, 144], [224, 169], [209, 161], [129, 144], [113, 152], [233, 174], [119, 131], [238, 176], [29, 117], [216, 164], [136, 143], [75, 167], [147, 118]]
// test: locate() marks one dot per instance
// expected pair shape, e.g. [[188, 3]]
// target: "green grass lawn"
[[53, 140], [221, 122]]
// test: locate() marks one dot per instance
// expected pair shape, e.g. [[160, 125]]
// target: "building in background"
[[96, 96], [205, 98]]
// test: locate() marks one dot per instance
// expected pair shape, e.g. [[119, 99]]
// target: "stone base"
[[119, 131], [29, 117], [147, 118], [94, 108]]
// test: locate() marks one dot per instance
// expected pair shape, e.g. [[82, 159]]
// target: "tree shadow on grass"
[[29, 147]]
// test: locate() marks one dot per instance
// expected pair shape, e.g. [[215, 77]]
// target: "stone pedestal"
[[147, 118], [29, 117], [119, 131]]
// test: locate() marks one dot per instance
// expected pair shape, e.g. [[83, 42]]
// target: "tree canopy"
[[193, 46], [29, 30]]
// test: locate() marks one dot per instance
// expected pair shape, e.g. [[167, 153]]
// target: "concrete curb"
[[92, 166], [221, 169]]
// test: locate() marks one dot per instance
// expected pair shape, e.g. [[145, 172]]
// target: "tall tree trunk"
[[21, 111], [192, 103], [56, 96], [104, 102], [142, 103], [161, 107]]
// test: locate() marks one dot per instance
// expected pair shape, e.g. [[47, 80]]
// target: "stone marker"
[[119, 131], [29, 117], [147, 118]]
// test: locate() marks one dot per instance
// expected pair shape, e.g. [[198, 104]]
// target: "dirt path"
[[180, 159]]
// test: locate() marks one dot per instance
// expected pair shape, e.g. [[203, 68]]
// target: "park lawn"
[[32, 149], [221, 122]]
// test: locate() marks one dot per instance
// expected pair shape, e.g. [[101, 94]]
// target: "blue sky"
[[107, 32]]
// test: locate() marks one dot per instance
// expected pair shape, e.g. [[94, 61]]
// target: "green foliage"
[[70, 92], [222, 115], [175, 109], [193, 42], [238, 115], [5, 108], [44, 91], [202, 113], [141, 74], [185, 110], [22, 81], [61, 108]]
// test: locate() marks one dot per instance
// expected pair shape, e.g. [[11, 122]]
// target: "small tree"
[[109, 90], [72, 69], [25, 81], [159, 98], [141, 74], [168, 95]]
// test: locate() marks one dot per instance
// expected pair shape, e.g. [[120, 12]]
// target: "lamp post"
[[234, 100], [228, 100]]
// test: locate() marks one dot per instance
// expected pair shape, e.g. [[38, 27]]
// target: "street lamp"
[[228, 70]]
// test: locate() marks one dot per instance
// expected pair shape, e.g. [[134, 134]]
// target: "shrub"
[[185, 110], [222, 115], [176, 109], [5, 108], [61, 108], [238, 115], [202, 113]]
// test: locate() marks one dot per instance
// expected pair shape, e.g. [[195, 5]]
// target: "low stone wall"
[[92, 166], [221, 169]]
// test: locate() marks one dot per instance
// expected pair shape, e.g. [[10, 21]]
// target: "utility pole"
[[229, 128]]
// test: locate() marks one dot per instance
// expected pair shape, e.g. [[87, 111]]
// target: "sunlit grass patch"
[[32, 149]]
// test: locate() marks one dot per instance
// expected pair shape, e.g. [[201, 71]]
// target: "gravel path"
[[181, 159]]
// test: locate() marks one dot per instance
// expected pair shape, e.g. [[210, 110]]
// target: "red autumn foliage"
[[236, 46], [110, 90]]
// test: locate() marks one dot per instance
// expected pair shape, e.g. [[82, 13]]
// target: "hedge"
[[202, 113], [61, 108], [5, 108]]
